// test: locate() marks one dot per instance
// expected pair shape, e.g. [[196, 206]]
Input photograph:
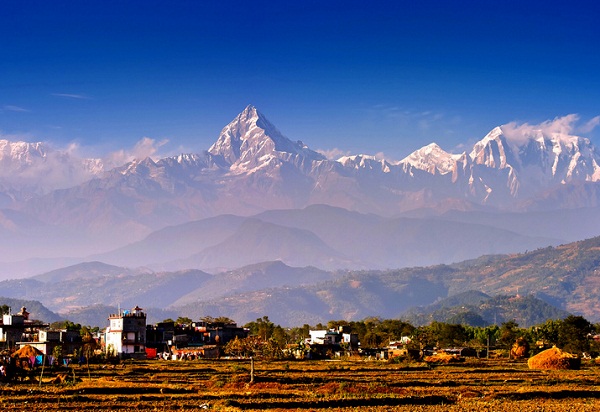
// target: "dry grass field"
[[224, 385]]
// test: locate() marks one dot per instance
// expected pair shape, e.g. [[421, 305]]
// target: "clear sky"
[[353, 76]]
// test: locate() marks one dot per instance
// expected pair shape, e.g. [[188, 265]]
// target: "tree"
[[254, 346], [299, 334], [67, 325], [183, 320], [546, 334], [394, 329], [509, 332], [447, 334], [280, 337], [262, 327], [57, 352], [574, 334], [4, 310], [224, 320]]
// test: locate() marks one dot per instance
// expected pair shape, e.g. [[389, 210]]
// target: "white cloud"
[[382, 156], [590, 125], [333, 154], [146, 147], [560, 126], [72, 96], [12, 108]]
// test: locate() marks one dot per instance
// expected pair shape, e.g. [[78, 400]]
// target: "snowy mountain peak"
[[20, 153], [493, 150], [432, 159], [251, 137], [362, 161], [31, 169]]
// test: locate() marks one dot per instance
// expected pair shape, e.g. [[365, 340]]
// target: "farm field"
[[224, 385]]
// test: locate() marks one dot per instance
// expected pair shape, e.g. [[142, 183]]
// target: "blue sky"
[[357, 77]]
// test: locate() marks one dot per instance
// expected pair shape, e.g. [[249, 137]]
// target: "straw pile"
[[554, 358], [520, 349], [27, 351], [442, 358]]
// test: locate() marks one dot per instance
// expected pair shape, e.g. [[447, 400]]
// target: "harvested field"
[[308, 386]]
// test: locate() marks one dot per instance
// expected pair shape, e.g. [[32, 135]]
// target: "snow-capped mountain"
[[523, 165], [252, 167], [30, 169], [250, 141]]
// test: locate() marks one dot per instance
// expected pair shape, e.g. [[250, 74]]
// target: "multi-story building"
[[15, 328], [126, 335], [48, 339]]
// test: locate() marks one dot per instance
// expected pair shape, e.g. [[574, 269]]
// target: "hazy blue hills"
[[97, 283], [565, 277], [254, 277], [121, 216], [174, 242], [322, 236], [37, 310]]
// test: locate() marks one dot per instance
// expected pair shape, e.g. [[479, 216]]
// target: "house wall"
[[126, 334]]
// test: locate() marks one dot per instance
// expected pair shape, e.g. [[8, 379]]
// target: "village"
[[128, 336], [27, 343], [215, 364]]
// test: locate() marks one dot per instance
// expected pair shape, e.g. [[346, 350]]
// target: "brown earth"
[[224, 385]]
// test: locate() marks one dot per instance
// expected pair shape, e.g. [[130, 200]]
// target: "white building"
[[126, 335]]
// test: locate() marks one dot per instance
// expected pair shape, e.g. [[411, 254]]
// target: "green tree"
[[183, 320], [447, 334], [422, 338], [574, 334], [224, 320], [394, 329], [546, 334], [509, 332], [298, 334], [67, 325], [57, 352], [262, 327], [280, 337], [4, 310]]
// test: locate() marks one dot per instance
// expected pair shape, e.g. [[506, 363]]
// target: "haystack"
[[27, 351], [520, 349], [442, 358], [554, 358]]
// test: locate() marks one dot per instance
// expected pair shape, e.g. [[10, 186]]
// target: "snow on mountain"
[[434, 160], [252, 167], [534, 160], [363, 162], [250, 142], [29, 169]]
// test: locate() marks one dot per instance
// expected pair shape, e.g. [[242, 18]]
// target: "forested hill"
[[36, 310], [478, 309], [566, 276]]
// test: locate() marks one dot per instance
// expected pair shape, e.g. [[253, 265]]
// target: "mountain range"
[[530, 287], [256, 196]]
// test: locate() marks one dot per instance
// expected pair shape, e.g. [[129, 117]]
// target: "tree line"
[[573, 334]]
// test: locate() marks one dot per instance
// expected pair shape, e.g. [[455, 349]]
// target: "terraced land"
[[224, 385]]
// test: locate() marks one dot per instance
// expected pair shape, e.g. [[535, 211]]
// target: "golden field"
[[224, 385]]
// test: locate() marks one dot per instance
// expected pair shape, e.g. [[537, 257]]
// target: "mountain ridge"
[[252, 168]]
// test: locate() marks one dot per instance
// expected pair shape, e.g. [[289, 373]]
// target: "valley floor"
[[224, 385]]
